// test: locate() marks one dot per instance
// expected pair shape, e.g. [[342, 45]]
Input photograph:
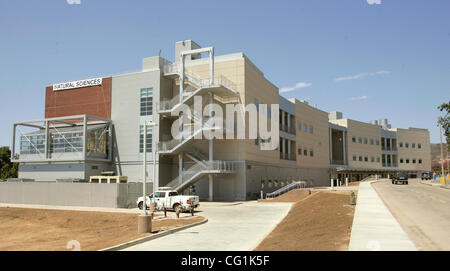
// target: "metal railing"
[[338, 162], [288, 156], [196, 80], [216, 166], [287, 129], [287, 188]]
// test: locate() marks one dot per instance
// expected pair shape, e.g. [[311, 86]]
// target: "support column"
[[331, 145], [180, 167], [289, 149], [85, 136], [211, 154], [181, 78], [211, 65], [46, 141], [344, 151]]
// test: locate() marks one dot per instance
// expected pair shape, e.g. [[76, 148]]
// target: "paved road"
[[230, 227], [422, 210]]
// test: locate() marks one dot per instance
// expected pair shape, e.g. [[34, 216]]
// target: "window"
[[401, 144], [171, 194], [305, 128], [311, 153], [407, 161], [413, 145], [359, 140], [299, 151], [371, 141], [419, 146], [420, 161], [276, 183], [365, 141], [354, 157], [353, 139], [299, 126], [401, 160], [263, 182], [360, 158], [148, 138], [378, 159], [269, 183], [305, 152], [146, 101], [414, 161], [406, 145], [311, 130], [378, 142], [366, 159], [372, 159]]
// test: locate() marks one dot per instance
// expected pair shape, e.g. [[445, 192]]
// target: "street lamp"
[[144, 220], [442, 152]]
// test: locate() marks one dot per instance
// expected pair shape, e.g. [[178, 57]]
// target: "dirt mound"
[[320, 222], [291, 196], [39, 229]]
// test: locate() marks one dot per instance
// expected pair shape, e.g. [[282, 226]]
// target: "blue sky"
[[388, 60]]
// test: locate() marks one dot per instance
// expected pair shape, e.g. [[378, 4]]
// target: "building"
[[362, 149], [97, 125]]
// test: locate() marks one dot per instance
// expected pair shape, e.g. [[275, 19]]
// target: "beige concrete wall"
[[414, 136], [317, 141]]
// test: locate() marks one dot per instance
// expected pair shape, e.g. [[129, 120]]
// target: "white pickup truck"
[[170, 199]]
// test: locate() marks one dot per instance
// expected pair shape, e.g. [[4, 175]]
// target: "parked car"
[[427, 175], [169, 199], [400, 177]]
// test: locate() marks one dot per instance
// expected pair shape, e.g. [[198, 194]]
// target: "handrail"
[[216, 166], [287, 188]]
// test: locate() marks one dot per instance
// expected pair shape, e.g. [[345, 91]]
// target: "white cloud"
[[72, 2], [359, 98], [361, 75], [371, 2], [297, 86]]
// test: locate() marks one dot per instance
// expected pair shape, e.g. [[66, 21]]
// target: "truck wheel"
[[140, 205]]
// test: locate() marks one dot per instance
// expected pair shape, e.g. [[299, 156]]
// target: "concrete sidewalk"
[[238, 227], [374, 227]]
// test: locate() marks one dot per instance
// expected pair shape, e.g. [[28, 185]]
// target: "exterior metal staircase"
[[199, 170], [224, 92]]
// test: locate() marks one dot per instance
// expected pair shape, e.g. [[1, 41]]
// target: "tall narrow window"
[[146, 101], [148, 138]]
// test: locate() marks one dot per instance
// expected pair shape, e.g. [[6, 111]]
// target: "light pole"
[[144, 220], [442, 152]]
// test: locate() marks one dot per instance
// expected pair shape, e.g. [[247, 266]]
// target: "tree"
[[445, 121], [7, 168]]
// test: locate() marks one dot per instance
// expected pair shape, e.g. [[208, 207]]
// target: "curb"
[[151, 237], [440, 185]]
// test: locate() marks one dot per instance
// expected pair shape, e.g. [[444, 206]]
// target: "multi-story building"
[[361, 149], [97, 125]]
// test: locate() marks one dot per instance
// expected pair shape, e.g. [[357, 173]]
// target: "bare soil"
[[321, 221], [291, 196], [39, 229]]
